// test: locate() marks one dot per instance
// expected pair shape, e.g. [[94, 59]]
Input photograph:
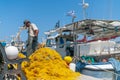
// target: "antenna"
[[84, 6], [57, 25]]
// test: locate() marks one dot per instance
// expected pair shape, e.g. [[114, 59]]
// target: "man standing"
[[32, 42]]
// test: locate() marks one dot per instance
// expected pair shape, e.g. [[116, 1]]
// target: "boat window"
[[116, 28], [61, 43], [56, 40], [48, 43]]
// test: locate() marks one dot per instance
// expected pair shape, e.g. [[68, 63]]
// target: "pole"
[[74, 40], [84, 5], [73, 18]]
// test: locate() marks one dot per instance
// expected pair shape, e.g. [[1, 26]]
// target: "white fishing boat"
[[98, 37], [92, 43], [98, 42]]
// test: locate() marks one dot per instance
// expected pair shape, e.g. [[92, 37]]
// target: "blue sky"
[[45, 13]]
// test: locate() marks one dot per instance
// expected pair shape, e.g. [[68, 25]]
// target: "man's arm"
[[36, 32], [23, 28]]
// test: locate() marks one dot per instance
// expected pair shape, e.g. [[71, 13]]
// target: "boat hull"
[[100, 71]]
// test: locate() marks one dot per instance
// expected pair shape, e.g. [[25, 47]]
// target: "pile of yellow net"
[[47, 64]]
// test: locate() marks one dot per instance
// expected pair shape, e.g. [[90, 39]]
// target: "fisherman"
[[32, 41]]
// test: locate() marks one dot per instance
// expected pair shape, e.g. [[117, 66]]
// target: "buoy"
[[11, 52], [68, 59]]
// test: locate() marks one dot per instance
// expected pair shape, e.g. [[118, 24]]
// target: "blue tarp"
[[3, 44], [116, 64], [79, 66]]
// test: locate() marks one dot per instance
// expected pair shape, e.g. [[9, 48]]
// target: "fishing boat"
[[89, 38], [93, 44]]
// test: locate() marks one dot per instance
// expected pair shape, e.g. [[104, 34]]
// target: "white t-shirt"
[[31, 29]]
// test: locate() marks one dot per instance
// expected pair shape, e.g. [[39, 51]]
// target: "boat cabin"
[[97, 36]]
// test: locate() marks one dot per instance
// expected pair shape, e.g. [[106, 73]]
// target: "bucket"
[[72, 66]]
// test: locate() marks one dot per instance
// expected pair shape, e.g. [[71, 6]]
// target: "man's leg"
[[29, 47], [35, 43]]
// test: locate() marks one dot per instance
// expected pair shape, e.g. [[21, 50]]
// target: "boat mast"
[[84, 6]]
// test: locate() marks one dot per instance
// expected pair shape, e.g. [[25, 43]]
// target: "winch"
[[8, 56]]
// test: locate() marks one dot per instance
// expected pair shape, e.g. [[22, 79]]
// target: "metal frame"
[[6, 61]]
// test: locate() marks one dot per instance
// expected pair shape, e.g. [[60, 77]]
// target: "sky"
[[45, 14]]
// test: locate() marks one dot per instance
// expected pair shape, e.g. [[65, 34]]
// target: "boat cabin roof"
[[91, 27]]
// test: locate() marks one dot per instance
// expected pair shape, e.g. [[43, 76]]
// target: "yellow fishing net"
[[47, 64]]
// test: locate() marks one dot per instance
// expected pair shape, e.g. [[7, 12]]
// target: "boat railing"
[[115, 48]]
